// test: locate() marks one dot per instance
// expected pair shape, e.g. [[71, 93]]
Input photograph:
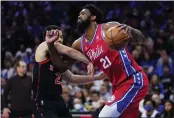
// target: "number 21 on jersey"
[[106, 62]]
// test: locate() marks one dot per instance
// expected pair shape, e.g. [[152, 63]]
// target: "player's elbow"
[[138, 37]]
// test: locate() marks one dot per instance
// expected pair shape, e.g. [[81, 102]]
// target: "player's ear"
[[93, 18]]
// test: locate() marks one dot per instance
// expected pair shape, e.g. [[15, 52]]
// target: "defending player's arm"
[[75, 54], [51, 37], [135, 35], [82, 79]]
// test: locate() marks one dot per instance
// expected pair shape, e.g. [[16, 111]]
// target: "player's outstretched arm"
[[82, 79], [75, 54]]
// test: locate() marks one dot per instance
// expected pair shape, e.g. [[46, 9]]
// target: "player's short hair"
[[50, 27], [95, 11]]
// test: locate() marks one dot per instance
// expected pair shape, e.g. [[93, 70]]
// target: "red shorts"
[[124, 103]]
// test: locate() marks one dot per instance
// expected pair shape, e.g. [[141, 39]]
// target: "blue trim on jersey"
[[127, 63], [131, 94], [102, 33], [81, 44], [89, 42]]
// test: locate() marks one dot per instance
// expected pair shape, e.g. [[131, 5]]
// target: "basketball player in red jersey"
[[129, 82]]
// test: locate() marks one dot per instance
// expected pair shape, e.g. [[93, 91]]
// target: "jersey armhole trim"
[[102, 33], [81, 43], [45, 61]]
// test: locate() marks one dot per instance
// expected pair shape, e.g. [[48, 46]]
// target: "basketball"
[[115, 38]]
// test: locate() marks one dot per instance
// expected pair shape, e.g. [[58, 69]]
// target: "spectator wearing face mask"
[[158, 103], [78, 106], [150, 111], [169, 110]]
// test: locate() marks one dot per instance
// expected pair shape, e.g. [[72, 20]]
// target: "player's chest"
[[96, 50]]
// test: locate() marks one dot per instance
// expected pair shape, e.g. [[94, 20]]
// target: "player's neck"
[[90, 32]]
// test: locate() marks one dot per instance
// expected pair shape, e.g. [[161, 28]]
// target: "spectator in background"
[[28, 58], [169, 109], [95, 99], [9, 56], [67, 97], [8, 72], [165, 59], [97, 111], [79, 94], [21, 52], [167, 81], [150, 111], [172, 96], [148, 63], [78, 106], [158, 103], [86, 94], [157, 86], [104, 92], [20, 99]]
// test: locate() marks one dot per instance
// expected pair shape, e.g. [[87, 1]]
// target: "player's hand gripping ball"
[[117, 37]]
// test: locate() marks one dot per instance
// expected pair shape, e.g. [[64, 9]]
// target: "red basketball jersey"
[[117, 64]]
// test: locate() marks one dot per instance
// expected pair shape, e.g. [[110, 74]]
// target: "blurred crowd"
[[22, 25]]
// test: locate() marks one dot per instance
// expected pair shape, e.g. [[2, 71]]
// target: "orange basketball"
[[116, 38]]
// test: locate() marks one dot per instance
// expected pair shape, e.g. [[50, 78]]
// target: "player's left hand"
[[90, 69]]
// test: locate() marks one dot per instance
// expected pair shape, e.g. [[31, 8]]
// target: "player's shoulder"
[[41, 52], [110, 24]]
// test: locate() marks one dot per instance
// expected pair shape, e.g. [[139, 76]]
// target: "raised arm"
[[55, 47], [50, 37], [136, 35], [82, 79]]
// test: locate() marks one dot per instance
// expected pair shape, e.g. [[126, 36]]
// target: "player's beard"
[[83, 25]]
